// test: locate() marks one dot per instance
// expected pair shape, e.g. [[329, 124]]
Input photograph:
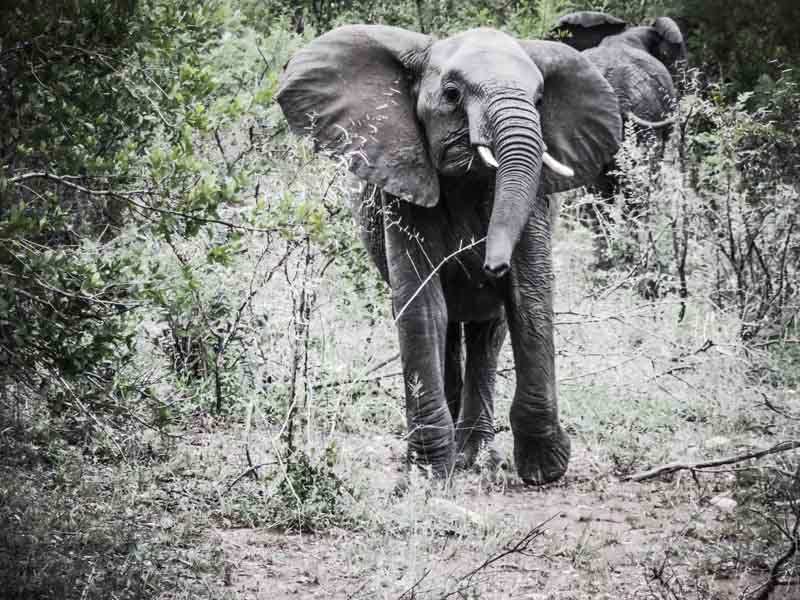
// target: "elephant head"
[[408, 111], [588, 29]]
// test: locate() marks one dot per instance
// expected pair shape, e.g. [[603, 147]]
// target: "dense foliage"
[[106, 107]]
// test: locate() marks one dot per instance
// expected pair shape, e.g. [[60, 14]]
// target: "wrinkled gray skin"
[[407, 112], [636, 61]]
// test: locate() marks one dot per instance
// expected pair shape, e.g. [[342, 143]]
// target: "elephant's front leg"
[[475, 428], [421, 319], [541, 447]]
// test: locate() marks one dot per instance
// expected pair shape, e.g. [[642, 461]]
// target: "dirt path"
[[603, 538], [635, 392]]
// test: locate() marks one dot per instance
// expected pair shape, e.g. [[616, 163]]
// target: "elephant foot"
[[440, 469], [480, 454], [542, 460], [415, 473]]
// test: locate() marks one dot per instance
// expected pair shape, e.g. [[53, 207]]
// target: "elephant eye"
[[451, 94]]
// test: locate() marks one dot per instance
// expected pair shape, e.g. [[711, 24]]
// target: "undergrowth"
[[212, 351]]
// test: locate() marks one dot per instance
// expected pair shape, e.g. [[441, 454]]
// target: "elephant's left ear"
[[579, 112], [351, 90]]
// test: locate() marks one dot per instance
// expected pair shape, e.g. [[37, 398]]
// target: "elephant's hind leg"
[[454, 368], [475, 428]]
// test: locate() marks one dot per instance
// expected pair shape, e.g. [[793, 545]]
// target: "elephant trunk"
[[517, 135]]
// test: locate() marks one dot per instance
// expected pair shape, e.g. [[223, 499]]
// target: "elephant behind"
[[638, 62]]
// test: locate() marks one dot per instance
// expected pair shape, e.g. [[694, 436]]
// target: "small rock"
[[717, 442], [454, 511], [723, 504]]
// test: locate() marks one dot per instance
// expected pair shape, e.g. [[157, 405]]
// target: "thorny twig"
[[433, 272]]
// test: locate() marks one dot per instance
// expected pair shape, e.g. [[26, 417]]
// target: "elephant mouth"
[[459, 158]]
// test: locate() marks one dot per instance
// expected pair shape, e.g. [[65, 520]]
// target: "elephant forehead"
[[478, 48]]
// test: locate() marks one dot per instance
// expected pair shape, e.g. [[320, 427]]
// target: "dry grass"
[[188, 516]]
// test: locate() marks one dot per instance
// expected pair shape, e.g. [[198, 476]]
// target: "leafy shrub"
[[723, 202], [310, 496]]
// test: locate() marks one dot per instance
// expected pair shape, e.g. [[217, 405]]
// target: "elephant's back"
[[653, 93], [642, 83]]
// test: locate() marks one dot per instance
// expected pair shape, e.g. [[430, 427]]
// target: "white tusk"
[[561, 169], [555, 166], [487, 157]]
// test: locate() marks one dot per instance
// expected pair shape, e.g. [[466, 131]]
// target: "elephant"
[[449, 137], [636, 61]]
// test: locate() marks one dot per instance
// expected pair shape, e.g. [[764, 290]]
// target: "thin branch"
[[363, 378], [777, 410], [253, 469], [127, 196], [775, 573], [409, 593], [332, 384], [522, 546], [433, 273], [64, 180], [182, 215], [598, 371], [683, 466], [101, 426], [222, 150]]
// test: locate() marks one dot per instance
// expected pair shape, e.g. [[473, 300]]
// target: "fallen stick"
[[683, 466], [251, 470]]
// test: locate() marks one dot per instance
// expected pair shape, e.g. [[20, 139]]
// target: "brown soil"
[[602, 538]]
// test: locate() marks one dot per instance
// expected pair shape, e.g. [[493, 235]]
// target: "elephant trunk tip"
[[496, 271], [498, 254]]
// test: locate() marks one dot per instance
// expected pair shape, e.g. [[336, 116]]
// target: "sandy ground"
[[601, 537]]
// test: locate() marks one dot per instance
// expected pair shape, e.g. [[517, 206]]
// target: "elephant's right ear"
[[586, 29], [579, 111], [351, 89]]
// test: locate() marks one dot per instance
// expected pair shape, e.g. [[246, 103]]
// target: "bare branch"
[[433, 272], [682, 466], [777, 569], [251, 470]]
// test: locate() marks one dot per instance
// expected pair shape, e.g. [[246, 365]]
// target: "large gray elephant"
[[636, 61], [421, 121]]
